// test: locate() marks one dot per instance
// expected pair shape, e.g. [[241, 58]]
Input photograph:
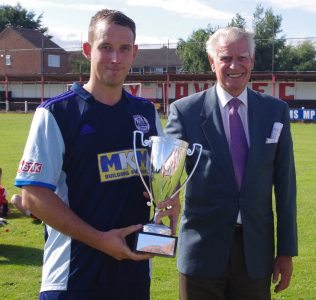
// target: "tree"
[[301, 57], [287, 58], [193, 51], [18, 16], [79, 64], [306, 54], [237, 21], [272, 53], [267, 26]]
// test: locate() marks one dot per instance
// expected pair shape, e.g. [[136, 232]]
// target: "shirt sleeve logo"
[[30, 167], [141, 123]]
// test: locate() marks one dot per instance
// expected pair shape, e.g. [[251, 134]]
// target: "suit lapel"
[[254, 127], [214, 132]]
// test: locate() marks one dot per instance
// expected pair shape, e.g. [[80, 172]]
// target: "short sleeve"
[[42, 160]]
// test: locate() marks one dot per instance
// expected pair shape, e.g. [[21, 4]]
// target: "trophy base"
[[157, 244]]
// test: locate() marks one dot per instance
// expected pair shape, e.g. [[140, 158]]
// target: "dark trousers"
[[234, 285]]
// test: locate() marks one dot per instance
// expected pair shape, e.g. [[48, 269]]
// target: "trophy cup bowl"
[[165, 168]]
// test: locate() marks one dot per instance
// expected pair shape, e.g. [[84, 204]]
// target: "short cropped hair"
[[111, 17], [230, 34]]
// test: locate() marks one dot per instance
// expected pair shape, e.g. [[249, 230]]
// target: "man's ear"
[[135, 50], [86, 50], [253, 62], [211, 61]]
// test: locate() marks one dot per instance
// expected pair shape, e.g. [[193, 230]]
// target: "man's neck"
[[104, 94]]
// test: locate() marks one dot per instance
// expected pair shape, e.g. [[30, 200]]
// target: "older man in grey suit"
[[226, 238]]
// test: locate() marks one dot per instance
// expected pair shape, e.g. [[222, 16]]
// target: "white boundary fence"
[[6, 104], [162, 93], [24, 103]]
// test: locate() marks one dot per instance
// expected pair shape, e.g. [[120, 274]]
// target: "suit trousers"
[[234, 285]]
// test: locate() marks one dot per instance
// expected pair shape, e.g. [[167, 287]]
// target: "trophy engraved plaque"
[[165, 168]]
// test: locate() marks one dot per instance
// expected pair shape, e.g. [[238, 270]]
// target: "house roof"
[[157, 57], [33, 36]]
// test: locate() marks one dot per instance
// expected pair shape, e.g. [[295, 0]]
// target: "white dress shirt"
[[224, 98]]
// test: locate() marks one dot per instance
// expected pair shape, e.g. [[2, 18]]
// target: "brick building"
[[157, 61], [26, 51]]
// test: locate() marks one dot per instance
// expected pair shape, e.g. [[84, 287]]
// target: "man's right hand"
[[117, 247]]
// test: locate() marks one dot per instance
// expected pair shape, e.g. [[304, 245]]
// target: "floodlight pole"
[[272, 63], [42, 69], [167, 95], [6, 80]]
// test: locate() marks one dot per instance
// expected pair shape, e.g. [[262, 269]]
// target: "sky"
[[166, 21]]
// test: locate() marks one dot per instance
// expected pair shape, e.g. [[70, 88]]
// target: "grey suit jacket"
[[212, 199]]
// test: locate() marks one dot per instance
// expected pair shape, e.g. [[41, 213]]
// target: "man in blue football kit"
[[78, 175]]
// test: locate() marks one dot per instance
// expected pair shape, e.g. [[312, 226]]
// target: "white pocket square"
[[275, 133], [271, 141]]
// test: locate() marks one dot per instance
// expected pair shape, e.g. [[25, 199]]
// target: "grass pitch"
[[21, 241]]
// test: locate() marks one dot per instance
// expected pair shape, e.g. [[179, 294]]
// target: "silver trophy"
[[165, 168]]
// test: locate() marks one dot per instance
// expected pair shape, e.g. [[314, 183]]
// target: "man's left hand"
[[283, 266], [171, 208]]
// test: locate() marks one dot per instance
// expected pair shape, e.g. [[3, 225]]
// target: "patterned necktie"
[[238, 141]]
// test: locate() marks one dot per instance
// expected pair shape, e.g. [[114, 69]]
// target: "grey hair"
[[231, 34]]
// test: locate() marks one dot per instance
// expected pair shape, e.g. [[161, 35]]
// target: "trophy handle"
[[145, 143], [190, 153]]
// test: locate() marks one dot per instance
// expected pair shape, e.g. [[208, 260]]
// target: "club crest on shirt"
[[141, 123]]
